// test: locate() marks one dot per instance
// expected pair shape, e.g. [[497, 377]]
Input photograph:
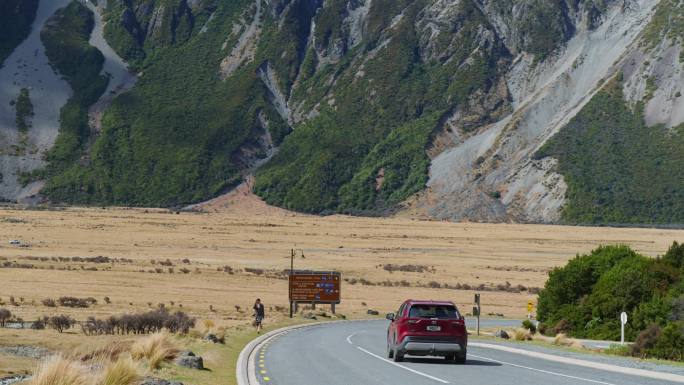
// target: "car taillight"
[[458, 323]]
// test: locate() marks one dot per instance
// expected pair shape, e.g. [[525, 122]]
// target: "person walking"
[[258, 314]]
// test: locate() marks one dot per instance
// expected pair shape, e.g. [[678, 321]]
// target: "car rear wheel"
[[398, 355], [461, 358]]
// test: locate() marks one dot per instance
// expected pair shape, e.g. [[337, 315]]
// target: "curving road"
[[354, 353]]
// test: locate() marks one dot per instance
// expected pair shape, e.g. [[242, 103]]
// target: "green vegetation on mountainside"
[[371, 121], [542, 25], [585, 298], [178, 137], [16, 17], [617, 169], [666, 24], [135, 29], [65, 37], [24, 110], [172, 139]]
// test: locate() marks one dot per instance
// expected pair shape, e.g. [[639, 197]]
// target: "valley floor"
[[214, 264]]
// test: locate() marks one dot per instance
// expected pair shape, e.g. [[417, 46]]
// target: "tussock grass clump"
[[209, 325], [522, 335], [60, 371], [108, 353], [155, 349], [124, 371], [563, 340]]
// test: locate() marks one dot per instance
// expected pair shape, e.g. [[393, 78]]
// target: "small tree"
[[39, 324], [61, 322], [5, 315], [107, 300]]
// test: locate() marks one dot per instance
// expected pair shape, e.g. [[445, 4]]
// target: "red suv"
[[427, 328]]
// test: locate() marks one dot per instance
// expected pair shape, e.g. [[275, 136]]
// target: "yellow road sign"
[[530, 306]]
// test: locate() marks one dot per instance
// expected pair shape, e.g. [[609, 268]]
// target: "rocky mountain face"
[[506, 110]]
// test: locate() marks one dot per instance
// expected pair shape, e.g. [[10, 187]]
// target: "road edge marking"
[[245, 368], [588, 364], [402, 366], [541, 370]]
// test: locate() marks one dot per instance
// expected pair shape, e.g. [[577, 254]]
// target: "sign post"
[[315, 287], [530, 308], [623, 322], [476, 311], [292, 255]]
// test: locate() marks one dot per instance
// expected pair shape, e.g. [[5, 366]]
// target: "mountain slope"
[[450, 109]]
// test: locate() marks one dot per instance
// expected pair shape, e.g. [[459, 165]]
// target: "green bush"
[[569, 285], [669, 345], [585, 297], [529, 325]]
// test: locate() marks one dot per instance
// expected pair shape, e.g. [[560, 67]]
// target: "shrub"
[[670, 344], [60, 371], [567, 285], [562, 327], [675, 255], [107, 300], [645, 341], [143, 323], [529, 325], [61, 322], [543, 328], [74, 302], [5, 316], [39, 324]]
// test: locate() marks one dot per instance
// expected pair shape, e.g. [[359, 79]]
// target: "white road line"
[[541, 370], [587, 364], [403, 367], [349, 337]]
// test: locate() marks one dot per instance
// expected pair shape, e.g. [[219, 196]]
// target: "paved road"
[[354, 353]]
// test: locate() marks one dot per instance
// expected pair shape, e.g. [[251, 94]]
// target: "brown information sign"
[[319, 287]]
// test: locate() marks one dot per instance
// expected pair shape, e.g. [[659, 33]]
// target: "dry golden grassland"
[[214, 264]]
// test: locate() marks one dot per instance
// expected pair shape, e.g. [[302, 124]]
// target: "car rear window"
[[433, 311]]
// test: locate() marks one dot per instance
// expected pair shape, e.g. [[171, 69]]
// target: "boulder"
[[192, 362], [186, 353], [372, 312], [212, 338], [502, 334]]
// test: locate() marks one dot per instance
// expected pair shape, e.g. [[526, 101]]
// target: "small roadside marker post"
[[477, 311], [623, 322]]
